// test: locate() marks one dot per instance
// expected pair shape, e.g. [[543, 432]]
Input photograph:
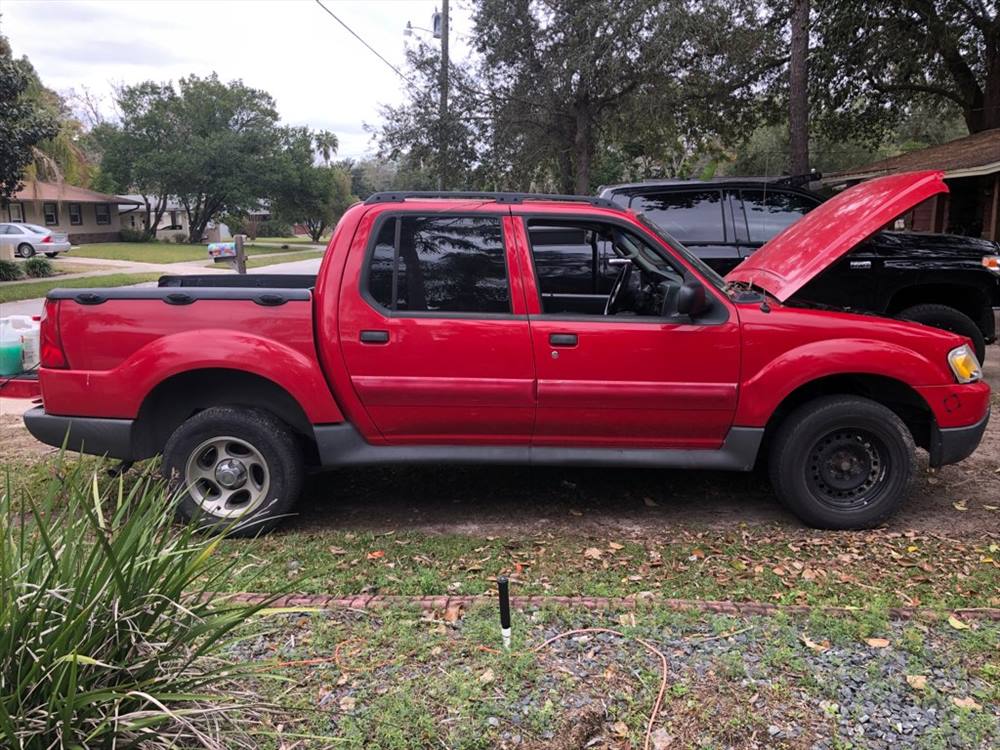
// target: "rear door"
[[434, 332]]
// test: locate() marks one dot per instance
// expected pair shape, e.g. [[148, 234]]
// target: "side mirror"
[[691, 299]]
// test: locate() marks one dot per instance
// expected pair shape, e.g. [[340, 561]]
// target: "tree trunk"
[[985, 113], [798, 89], [565, 162], [583, 150]]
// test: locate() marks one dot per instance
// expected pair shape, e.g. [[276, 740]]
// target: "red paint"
[[800, 252], [495, 380]]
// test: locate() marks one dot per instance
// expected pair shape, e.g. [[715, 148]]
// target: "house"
[[173, 222], [85, 215], [971, 167]]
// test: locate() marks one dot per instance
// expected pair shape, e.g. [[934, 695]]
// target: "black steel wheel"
[[842, 462]]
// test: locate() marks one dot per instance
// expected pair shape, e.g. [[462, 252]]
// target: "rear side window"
[[691, 216], [770, 211], [447, 264]]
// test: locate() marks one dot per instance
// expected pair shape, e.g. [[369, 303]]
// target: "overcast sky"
[[318, 73]]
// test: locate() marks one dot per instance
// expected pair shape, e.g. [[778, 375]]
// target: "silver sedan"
[[29, 239]]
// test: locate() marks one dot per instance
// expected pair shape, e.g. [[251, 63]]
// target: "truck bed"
[[252, 280]]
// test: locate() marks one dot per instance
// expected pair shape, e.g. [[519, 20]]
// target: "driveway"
[[310, 267]]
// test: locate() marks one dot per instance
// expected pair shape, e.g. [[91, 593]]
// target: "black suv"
[[945, 281]]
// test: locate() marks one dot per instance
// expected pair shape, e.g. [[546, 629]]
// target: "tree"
[[306, 193], [229, 148], [798, 88], [140, 152], [23, 123], [876, 58]]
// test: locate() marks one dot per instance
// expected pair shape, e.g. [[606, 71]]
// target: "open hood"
[[816, 241]]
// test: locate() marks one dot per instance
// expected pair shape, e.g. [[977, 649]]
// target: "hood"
[[816, 241]]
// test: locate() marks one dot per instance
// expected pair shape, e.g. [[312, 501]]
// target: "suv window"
[[570, 259], [769, 211], [691, 216], [440, 264]]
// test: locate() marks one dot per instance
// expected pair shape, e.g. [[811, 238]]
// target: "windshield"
[[690, 257]]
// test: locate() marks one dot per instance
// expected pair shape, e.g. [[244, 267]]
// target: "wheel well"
[[179, 397], [966, 299], [905, 402]]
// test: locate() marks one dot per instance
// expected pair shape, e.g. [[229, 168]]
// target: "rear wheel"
[[842, 462], [950, 319], [24, 250], [237, 470]]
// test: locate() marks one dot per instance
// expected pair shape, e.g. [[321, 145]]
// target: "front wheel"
[[842, 462], [236, 470], [24, 250]]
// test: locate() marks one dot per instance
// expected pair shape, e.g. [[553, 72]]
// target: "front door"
[[436, 344], [628, 376]]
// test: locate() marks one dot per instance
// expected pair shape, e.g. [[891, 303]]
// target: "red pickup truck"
[[440, 330]]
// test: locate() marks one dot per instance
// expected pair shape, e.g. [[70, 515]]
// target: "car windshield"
[[35, 228], [690, 257]]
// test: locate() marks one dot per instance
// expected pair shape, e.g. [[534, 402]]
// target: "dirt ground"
[[956, 501]]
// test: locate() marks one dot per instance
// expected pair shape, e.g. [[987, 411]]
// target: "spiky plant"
[[109, 634]]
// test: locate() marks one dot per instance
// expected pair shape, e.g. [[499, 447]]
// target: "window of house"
[[440, 264], [15, 212], [102, 212], [75, 214], [50, 213], [691, 216], [770, 211]]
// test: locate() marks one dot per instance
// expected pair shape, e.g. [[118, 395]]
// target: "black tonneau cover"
[[251, 280]]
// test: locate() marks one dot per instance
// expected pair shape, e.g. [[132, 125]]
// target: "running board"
[[342, 445]]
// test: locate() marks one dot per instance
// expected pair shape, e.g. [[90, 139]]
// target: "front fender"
[[762, 391], [120, 391]]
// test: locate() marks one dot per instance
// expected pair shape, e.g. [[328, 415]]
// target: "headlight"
[[992, 263], [964, 364]]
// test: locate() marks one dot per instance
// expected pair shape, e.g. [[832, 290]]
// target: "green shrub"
[[274, 228], [10, 271], [108, 637], [39, 268], [134, 235]]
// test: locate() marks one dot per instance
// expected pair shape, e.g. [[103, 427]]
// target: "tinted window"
[[440, 264], [35, 228], [567, 259], [770, 211], [691, 216], [14, 230]]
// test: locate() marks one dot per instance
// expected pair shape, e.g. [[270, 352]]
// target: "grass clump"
[[109, 636], [39, 268], [10, 271]]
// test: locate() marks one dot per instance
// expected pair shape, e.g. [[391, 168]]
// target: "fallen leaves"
[[593, 553], [819, 647], [956, 623], [962, 505], [877, 642], [969, 703], [661, 740], [377, 554], [916, 681], [487, 677], [347, 703]]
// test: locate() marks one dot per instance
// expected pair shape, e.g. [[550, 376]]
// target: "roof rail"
[[512, 198]]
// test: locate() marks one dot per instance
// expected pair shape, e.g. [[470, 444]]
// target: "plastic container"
[[28, 329], [11, 350]]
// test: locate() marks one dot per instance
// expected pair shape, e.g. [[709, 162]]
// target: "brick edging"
[[386, 601]]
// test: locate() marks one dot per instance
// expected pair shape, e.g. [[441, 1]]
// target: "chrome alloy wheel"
[[227, 477]]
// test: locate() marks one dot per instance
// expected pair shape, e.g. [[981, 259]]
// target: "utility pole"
[[798, 88], [443, 100]]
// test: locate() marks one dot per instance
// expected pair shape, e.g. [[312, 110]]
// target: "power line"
[[374, 51]]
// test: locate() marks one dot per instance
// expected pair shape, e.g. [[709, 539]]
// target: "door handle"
[[562, 339], [374, 337]]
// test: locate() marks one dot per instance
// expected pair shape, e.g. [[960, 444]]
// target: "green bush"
[[10, 271], [108, 634], [274, 228], [134, 235], [39, 268]]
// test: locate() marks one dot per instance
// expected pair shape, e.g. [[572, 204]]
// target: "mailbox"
[[222, 250]]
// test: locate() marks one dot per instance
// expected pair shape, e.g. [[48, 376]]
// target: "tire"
[[51, 255], [237, 471], [842, 462], [950, 319], [24, 250]]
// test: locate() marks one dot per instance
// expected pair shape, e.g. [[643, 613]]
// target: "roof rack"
[[511, 198]]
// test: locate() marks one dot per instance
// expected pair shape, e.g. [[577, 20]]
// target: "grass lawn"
[[293, 240], [257, 262], [14, 292], [153, 252]]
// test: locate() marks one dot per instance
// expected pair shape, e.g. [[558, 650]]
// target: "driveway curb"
[[379, 601]]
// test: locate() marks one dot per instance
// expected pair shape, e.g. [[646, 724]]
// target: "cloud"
[[131, 52]]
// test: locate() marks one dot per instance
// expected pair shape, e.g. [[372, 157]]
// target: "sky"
[[319, 75]]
